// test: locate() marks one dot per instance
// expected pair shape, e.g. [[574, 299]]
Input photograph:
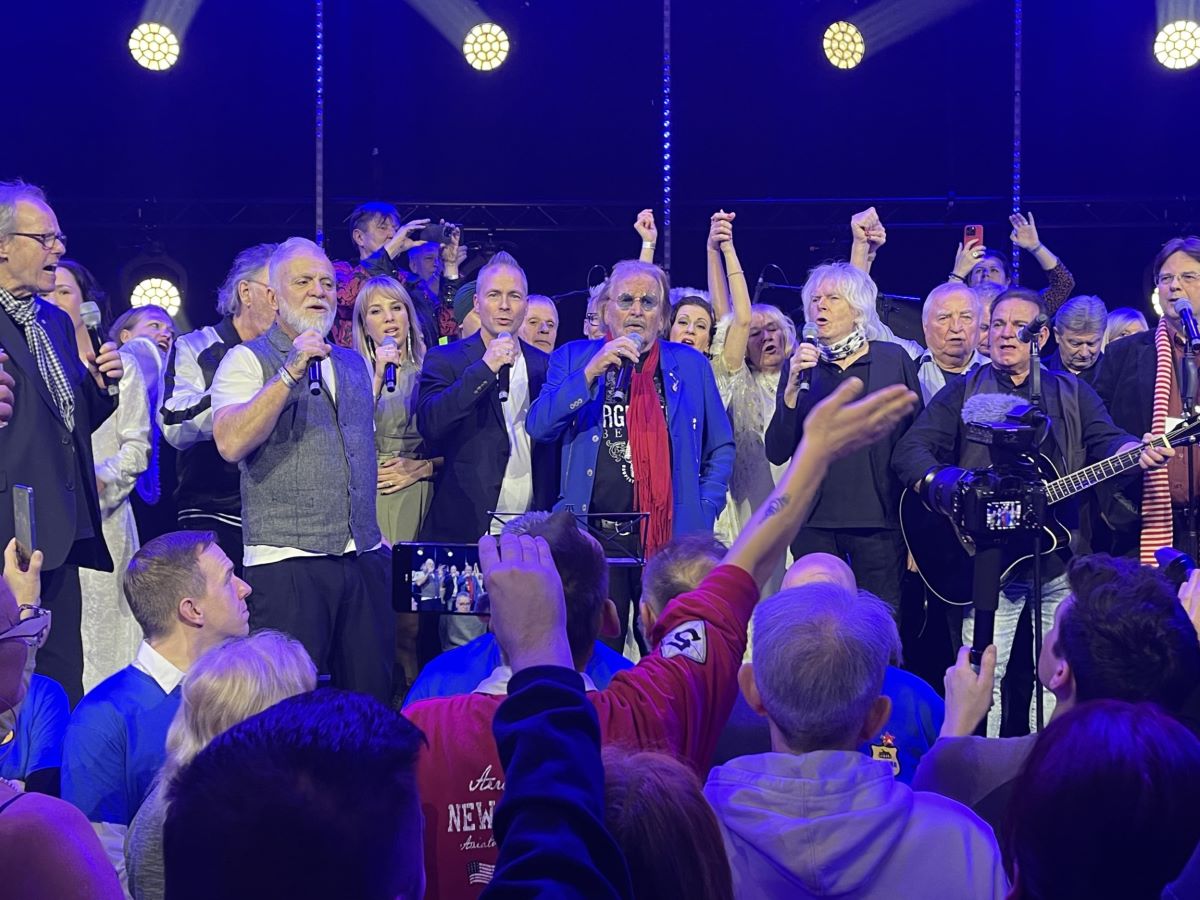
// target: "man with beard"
[[306, 451]]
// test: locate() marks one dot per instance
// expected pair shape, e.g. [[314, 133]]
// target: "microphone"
[[389, 370], [1188, 316], [758, 286], [625, 373], [89, 312], [807, 336], [989, 408], [505, 372], [314, 376], [1033, 329]]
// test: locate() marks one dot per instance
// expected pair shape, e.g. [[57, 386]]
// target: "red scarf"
[[650, 450]]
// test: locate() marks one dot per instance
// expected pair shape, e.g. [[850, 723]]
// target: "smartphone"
[[437, 232], [25, 527], [438, 578], [972, 233]]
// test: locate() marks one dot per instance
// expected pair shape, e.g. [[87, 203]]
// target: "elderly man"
[[55, 403], [663, 449], [1079, 331], [540, 327], [306, 451], [209, 495], [951, 320]]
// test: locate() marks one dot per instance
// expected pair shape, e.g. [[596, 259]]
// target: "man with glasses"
[[59, 400], [208, 497], [656, 457], [1140, 383]]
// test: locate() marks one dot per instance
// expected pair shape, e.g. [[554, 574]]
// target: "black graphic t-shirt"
[[612, 489]]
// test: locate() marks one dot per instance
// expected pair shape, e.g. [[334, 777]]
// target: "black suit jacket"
[[38, 450], [459, 414], [1126, 385]]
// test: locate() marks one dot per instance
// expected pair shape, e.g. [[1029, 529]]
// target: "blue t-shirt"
[[38, 738], [116, 742], [459, 671]]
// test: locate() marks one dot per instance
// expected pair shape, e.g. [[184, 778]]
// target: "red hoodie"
[[675, 700]]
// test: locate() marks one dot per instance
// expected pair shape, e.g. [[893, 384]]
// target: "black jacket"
[[37, 449], [1126, 385]]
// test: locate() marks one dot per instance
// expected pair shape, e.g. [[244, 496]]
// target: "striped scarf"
[[847, 346], [1157, 524], [24, 313]]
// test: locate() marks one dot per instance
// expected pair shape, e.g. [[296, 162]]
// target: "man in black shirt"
[[1080, 432]]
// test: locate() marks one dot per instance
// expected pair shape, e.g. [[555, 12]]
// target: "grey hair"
[[856, 288], [285, 251], [502, 259], [820, 655], [1119, 319], [11, 193], [946, 289], [1081, 314], [247, 264], [785, 323]]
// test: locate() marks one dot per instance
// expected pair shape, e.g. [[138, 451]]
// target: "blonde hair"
[[392, 289], [233, 681], [856, 288]]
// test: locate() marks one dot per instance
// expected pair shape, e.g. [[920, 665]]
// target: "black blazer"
[[1126, 385], [37, 449], [459, 414]]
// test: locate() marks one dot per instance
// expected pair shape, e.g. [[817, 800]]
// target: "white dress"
[[122, 448]]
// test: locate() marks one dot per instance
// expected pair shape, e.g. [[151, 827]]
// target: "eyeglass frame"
[[46, 238], [33, 629], [591, 318], [1183, 277], [625, 302]]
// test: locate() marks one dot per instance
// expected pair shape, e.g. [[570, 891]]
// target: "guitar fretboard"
[[1072, 484]]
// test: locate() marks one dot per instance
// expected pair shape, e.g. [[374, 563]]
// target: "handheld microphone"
[[807, 336], [389, 370], [625, 373], [1188, 317], [314, 376], [758, 286], [89, 312], [505, 373], [1033, 329]]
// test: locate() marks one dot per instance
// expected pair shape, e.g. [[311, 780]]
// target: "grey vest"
[[311, 484]]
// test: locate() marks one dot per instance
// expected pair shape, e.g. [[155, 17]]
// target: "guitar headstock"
[[1186, 432]]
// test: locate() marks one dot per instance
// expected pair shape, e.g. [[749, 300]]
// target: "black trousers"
[[620, 539], [339, 608], [229, 537], [61, 657], [876, 555]]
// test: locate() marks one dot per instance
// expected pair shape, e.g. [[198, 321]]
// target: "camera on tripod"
[[988, 505]]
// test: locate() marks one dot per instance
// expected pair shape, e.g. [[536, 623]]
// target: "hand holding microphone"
[[499, 357], [804, 359], [613, 355], [625, 374], [107, 359], [308, 349], [388, 354]]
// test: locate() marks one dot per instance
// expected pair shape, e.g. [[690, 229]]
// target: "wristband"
[[286, 377], [956, 277], [1036, 247], [738, 272], [647, 245]]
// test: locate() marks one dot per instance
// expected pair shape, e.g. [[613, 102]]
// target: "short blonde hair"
[[785, 323], [233, 681], [392, 289], [857, 288]]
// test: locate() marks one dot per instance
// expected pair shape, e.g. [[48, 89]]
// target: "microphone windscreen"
[[809, 333], [1181, 306], [638, 340], [89, 312], [989, 407], [503, 334], [388, 341]]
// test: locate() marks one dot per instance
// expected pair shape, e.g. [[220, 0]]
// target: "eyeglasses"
[[648, 302], [47, 239], [1188, 278], [31, 631], [591, 318]]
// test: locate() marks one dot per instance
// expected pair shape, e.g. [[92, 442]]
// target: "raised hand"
[[967, 256], [968, 693], [645, 227], [23, 577], [1024, 232], [866, 228], [404, 240], [720, 230], [837, 426], [529, 615]]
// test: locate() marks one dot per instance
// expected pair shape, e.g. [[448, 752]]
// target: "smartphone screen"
[[24, 523], [438, 578]]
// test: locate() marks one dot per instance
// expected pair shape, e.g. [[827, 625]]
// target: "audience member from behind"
[[1106, 805], [1121, 634], [1122, 322], [183, 593], [228, 684], [670, 837], [820, 657], [328, 770], [1079, 327], [47, 849]]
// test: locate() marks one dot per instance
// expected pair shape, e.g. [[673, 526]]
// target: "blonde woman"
[[227, 685]]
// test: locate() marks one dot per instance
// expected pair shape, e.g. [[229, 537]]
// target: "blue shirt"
[[115, 744], [459, 671], [38, 738]]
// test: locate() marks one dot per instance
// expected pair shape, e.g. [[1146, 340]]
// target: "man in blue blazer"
[[669, 457]]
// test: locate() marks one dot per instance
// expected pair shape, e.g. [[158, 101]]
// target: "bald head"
[[820, 568]]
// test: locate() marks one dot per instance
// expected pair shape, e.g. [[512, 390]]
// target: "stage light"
[[1156, 302], [1178, 45], [844, 45], [486, 46], [156, 292], [154, 46]]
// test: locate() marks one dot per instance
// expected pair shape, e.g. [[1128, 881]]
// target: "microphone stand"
[[1035, 401], [1188, 396]]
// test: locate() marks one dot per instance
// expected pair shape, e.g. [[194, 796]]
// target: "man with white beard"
[[306, 450]]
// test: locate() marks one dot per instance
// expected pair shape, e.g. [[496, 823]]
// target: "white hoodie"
[[837, 824]]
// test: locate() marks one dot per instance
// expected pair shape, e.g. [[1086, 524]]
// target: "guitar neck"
[[1076, 482]]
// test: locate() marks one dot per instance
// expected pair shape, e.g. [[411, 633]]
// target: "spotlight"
[[156, 292], [486, 46], [154, 46], [1156, 302], [1178, 45], [844, 45]]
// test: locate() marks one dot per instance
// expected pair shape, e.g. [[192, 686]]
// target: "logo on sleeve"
[[688, 639]]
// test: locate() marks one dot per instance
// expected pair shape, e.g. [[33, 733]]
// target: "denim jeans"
[[1012, 601]]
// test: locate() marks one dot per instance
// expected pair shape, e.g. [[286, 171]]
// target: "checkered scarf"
[[24, 313]]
